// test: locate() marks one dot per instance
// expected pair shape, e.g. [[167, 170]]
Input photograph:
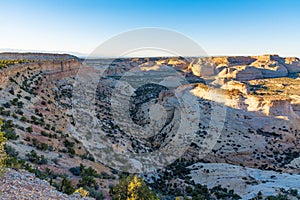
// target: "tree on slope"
[[132, 188], [2, 151]]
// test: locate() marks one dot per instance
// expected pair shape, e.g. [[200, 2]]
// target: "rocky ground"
[[23, 185], [246, 182]]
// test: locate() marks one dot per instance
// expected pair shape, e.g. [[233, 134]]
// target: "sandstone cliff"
[[38, 62], [245, 68], [224, 68]]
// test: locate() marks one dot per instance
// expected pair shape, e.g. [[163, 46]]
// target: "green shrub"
[[66, 186], [98, 195], [35, 158], [42, 146], [88, 181], [9, 130], [29, 129], [23, 119], [32, 156], [76, 171], [27, 139]]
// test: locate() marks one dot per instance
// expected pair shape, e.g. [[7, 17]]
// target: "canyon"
[[211, 117]]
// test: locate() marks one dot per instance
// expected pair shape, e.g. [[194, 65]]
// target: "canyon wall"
[[48, 63]]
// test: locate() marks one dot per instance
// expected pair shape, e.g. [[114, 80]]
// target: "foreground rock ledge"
[[24, 185]]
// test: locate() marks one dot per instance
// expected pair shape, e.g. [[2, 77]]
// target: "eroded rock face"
[[241, 73], [245, 68], [213, 65], [292, 65], [240, 68], [271, 68], [38, 62], [242, 87]]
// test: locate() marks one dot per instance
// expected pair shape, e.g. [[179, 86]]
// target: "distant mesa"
[[35, 56]]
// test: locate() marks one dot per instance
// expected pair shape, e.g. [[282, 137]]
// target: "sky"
[[220, 27]]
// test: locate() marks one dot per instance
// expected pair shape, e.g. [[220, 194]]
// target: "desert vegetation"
[[2, 151], [132, 187], [6, 63]]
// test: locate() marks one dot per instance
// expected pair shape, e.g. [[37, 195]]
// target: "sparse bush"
[[42, 146], [42, 160], [29, 129], [27, 139], [23, 119], [9, 130], [12, 91], [35, 158], [44, 133], [28, 98], [12, 161], [7, 105], [98, 195], [88, 181], [76, 171], [66, 186]]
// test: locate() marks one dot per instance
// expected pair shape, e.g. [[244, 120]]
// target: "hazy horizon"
[[83, 56]]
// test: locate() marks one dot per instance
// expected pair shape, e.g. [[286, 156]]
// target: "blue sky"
[[220, 27]]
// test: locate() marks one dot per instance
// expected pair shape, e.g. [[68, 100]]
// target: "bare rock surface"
[[24, 185], [246, 182]]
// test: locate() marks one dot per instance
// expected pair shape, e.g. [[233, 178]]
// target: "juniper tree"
[[2, 150]]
